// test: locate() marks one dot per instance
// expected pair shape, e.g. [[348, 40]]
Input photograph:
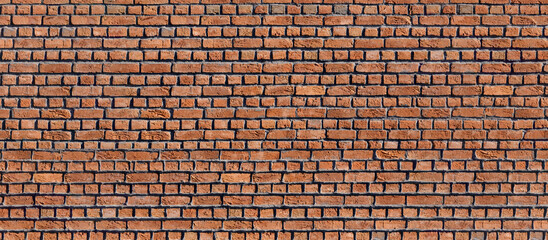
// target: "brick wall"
[[273, 119]]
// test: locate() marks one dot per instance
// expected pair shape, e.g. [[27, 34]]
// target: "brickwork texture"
[[273, 119]]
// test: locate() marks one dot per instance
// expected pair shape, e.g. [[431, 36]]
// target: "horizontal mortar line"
[[284, 171], [312, 219], [405, 229], [323, 25], [456, 207], [272, 183], [293, 73], [282, 150], [352, 194], [327, 61], [251, 172]]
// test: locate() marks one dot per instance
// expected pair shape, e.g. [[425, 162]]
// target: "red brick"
[[152, 20], [389, 154], [87, 67], [17, 225], [402, 67], [308, 43], [121, 68], [466, 43], [369, 20], [23, 67], [23, 91], [48, 177], [308, 67], [469, 112], [215, 20], [85, 20], [434, 67], [465, 20], [495, 67], [277, 20], [398, 20], [184, 20], [488, 154], [370, 67], [530, 43], [505, 134], [277, 67], [87, 43], [186, 68], [465, 67], [339, 67], [310, 134], [496, 43], [118, 20], [372, 90], [26, 135], [434, 20], [467, 90], [109, 155], [401, 43], [404, 112], [26, 20]]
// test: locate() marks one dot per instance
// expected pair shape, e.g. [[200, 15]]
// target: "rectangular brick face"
[[225, 119]]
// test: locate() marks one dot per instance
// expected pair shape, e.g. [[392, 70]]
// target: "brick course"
[[245, 119]]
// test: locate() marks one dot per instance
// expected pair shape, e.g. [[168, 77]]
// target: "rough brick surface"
[[273, 119]]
